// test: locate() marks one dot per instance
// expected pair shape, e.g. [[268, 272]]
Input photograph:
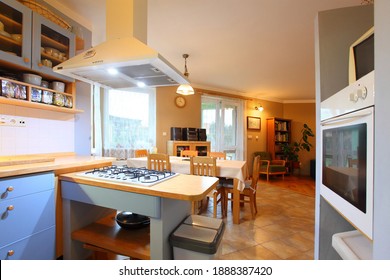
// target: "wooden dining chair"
[[188, 153], [141, 153], [207, 166], [217, 155], [159, 162], [248, 195]]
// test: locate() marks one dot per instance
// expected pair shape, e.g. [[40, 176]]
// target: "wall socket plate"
[[12, 121]]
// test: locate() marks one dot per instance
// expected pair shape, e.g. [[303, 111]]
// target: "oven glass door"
[[347, 157]]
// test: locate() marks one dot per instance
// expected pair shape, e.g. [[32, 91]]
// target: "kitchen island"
[[88, 200]]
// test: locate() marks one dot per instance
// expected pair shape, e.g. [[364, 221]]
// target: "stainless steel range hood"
[[133, 61]]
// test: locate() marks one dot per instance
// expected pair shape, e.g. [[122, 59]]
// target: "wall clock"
[[180, 101]]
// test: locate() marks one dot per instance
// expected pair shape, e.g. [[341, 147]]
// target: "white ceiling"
[[257, 48]]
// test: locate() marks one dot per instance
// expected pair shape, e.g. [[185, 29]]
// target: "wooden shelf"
[[278, 133], [49, 42], [37, 105], [9, 21], [106, 234]]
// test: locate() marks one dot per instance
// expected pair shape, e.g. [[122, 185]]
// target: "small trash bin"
[[197, 238]]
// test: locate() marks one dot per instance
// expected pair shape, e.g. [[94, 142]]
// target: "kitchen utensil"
[[129, 220], [32, 79]]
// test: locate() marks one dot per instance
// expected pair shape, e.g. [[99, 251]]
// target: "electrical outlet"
[[12, 121]]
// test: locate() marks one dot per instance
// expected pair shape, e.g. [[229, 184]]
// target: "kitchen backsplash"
[[44, 131]]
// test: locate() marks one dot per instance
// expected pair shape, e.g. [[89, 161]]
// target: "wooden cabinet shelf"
[[49, 42], [174, 147], [107, 236], [278, 133], [70, 87]]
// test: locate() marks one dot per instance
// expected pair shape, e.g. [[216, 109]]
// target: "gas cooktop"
[[129, 175]]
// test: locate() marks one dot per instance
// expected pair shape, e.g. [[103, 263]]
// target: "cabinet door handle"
[[10, 189], [10, 208], [11, 253], [26, 60]]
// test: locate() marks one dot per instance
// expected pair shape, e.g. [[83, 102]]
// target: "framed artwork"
[[253, 123]]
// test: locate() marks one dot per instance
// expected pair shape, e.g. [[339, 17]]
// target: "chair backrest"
[[255, 172], [218, 155], [141, 153], [188, 153], [263, 155], [159, 162], [203, 166]]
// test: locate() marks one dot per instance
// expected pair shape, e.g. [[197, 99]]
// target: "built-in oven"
[[347, 151]]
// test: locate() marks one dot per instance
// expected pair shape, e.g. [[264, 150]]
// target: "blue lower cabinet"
[[40, 246], [27, 222]]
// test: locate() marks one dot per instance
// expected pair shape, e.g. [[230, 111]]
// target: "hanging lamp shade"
[[185, 89]]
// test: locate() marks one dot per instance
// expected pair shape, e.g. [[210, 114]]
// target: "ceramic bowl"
[[47, 62], [32, 79], [58, 86], [17, 37]]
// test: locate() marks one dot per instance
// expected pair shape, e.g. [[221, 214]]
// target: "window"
[[222, 119], [129, 122]]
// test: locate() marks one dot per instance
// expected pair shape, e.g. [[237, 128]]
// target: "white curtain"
[[129, 122]]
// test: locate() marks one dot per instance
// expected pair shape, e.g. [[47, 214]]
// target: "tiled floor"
[[284, 224]]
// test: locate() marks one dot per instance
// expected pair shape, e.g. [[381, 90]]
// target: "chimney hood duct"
[[134, 61], [125, 50]]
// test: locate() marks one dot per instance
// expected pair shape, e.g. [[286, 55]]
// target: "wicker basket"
[[45, 12]]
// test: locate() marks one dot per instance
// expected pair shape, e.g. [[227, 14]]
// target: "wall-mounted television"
[[361, 56]]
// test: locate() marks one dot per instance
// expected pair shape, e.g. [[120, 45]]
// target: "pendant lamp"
[[185, 89]]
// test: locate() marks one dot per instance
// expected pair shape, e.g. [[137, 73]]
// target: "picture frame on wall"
[[254, 123]]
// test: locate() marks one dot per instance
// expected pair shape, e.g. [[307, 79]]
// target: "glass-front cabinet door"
[[51, 45], [15, 34]]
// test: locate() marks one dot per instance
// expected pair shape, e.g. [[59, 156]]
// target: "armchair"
[[269, 166]]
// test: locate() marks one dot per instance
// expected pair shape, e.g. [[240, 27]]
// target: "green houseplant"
[[290, 151]]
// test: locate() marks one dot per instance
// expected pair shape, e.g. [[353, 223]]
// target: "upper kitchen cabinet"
[[31, 42], [15, 20], [51, 45]]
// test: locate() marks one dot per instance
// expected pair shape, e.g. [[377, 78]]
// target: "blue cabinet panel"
[[30, 214], [40, 246], [24, 185]]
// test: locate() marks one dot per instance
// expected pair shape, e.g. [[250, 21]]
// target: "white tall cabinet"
[[336, 30]]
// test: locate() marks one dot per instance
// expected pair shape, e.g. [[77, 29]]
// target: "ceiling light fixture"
[[260, 108], [185, 89]]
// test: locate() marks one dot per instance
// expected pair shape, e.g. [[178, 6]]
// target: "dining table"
[[225, 169]]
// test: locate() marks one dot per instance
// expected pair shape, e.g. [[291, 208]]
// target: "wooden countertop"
[[59, 163], [181, 187]]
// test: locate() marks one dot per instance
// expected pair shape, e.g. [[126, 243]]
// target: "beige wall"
[[168, 115], [302, 113]]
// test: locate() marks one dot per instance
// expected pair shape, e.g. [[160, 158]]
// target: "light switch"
[[164, 133], [249, 136]]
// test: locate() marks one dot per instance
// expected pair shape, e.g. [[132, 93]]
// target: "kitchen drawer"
[[40, 246], [12, 187], [30, 214]]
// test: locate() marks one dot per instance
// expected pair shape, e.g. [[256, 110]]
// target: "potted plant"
[[290, 151]]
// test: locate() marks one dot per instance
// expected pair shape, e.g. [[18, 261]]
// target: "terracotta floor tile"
[[283, 227]]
